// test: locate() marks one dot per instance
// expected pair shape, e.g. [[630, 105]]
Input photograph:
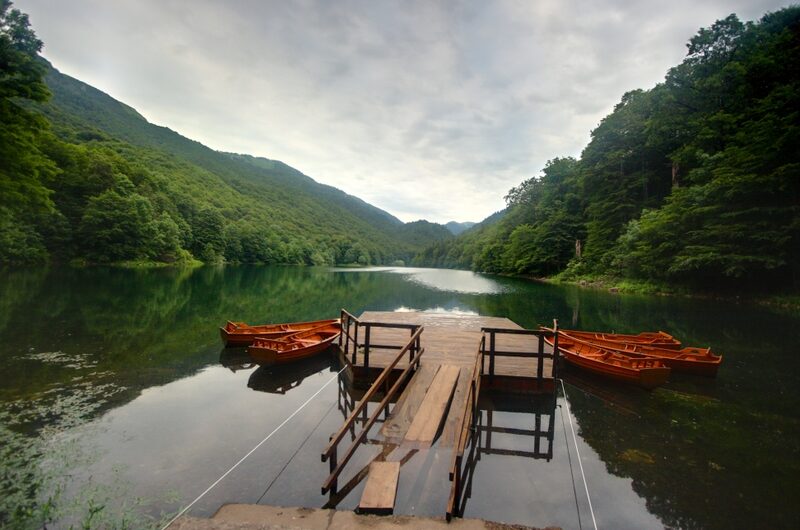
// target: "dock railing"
[[330, 453], [464, 432], [540, 355], [350, 335], [367, 345]]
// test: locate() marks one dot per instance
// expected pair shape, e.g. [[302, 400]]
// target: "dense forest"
[[695, 182], [85, 178]]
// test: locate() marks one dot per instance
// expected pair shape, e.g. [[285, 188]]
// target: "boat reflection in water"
[[236, 359], [281, 378]]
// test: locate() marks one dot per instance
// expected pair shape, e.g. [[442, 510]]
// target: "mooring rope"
[[578, 453], [259, 444], [274, 480], [571, 472]]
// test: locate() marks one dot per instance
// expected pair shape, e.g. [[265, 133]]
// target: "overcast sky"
[[426, 109]]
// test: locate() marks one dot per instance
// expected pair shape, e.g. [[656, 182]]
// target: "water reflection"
[[439, 310], [134, 334], [466, 282], [282, 378], [526, 425], [236, 359]]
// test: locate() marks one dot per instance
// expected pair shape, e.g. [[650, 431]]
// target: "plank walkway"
[[381, 489], [428, 419]]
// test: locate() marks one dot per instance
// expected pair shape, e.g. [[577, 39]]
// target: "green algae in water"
[[637, 456], [45, 442]]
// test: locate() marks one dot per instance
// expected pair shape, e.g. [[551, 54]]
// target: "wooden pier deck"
[[432, 366], [452, 339]]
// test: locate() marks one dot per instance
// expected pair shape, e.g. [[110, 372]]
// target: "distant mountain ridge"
[[456, 228]]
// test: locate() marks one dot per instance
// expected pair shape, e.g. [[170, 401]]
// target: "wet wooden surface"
[[434, 405], [381, 489], [452, 339]]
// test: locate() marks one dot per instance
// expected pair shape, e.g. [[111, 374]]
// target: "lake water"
[[119, 404]]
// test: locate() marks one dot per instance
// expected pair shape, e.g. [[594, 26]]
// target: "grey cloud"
[[426, 109]]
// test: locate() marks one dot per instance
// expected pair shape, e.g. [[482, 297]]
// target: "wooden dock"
[[429, 368]]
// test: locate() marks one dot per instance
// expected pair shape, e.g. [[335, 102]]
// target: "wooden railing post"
[[355, 346], [540, 362], [341, 324], [346, 332], [555, 348], [491, 357], [366, 345], [483, 354]]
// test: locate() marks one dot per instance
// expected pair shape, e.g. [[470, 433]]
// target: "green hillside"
[[695, 182], [86, 178]]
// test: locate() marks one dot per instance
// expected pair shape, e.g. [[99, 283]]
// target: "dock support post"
[[355, 345], [540, 362], [366, 345], [491, 357], [555, 349]]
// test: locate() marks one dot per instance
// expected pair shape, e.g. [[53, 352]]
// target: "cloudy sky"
[[427, 109]]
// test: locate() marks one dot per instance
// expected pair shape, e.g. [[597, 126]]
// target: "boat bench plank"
[[394, 429], [381, 489], [426, 423]]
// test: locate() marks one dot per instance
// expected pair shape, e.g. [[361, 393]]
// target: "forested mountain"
[[85, 177], [694, 182], [458, 228]]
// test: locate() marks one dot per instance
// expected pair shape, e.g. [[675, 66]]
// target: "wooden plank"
[[395, 428], [426, 423], [456, 410], [381, 489]]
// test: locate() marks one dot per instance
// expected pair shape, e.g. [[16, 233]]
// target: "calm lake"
[[118, 402]]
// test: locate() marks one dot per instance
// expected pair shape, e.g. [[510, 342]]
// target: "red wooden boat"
[[294, 347], [690, 360], [241, 334], [647, 372], [649, 338]]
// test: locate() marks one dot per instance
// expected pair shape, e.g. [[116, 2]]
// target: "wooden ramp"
[[395, 427], [381, 489], [426, 423]]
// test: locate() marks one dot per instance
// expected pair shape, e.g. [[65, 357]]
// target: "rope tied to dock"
[[253, 450], [578, 453]]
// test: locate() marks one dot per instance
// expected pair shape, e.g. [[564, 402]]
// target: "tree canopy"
[[695, 181]]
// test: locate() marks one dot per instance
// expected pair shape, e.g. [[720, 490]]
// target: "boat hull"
[[659, 339], [698, 361], [293, 347], [241, 334], [647, 372]]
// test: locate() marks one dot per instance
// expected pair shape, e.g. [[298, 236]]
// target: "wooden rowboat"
[[698, 361], [647, 372], [241, 334], [294, 347], [649, 338]]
